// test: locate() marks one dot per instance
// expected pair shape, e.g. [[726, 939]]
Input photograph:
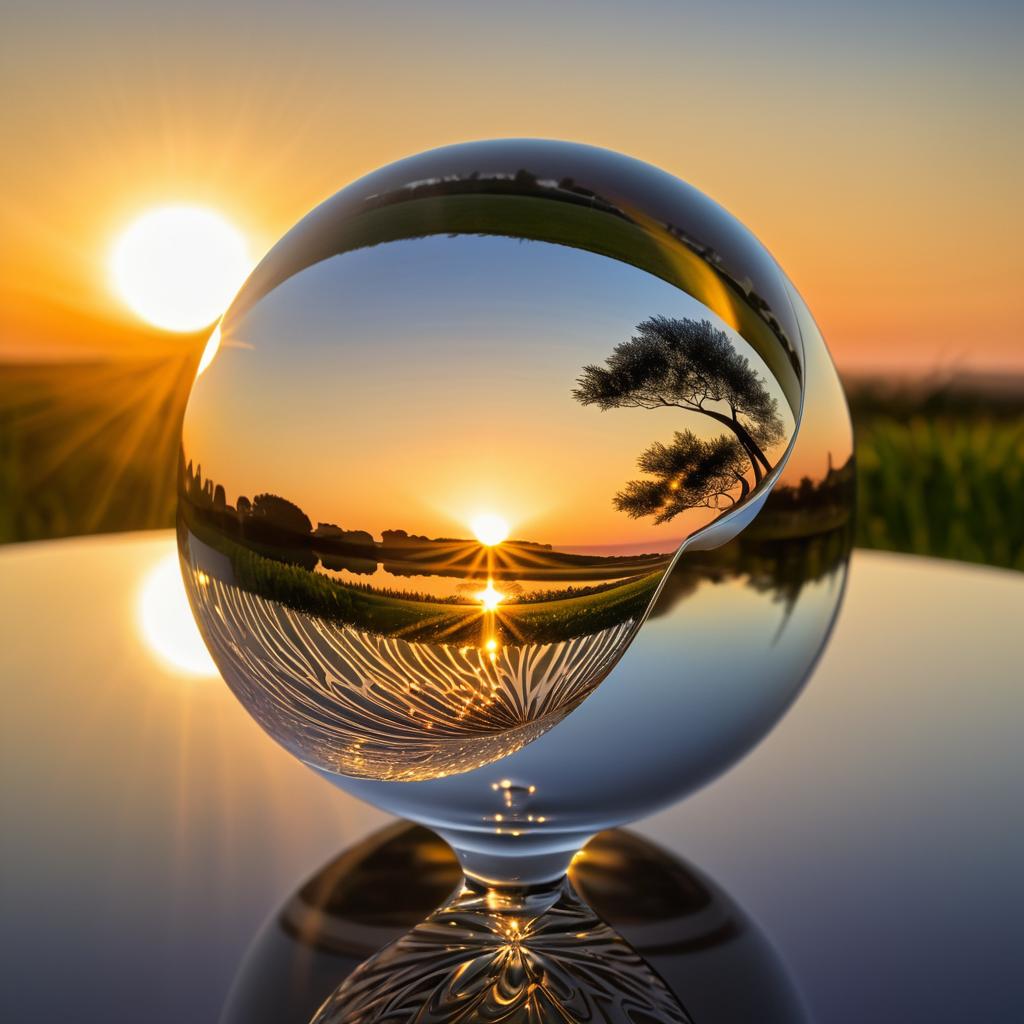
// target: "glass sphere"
[[469, 426]]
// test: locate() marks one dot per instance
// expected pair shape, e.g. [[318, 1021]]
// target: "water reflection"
[[695, 939]]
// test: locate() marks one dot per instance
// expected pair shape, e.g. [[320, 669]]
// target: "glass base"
[[508, 956]]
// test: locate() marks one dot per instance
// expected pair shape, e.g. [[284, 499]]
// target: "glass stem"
[[509, 862]]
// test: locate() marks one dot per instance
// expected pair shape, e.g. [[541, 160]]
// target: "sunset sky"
[[875, 148], [421, 414]]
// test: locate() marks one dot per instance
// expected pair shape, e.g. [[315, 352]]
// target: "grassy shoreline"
[[532, 621]]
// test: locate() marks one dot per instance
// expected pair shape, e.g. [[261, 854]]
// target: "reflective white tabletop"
[[150, 827]]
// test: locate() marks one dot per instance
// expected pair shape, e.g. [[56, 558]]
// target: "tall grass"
[[945, 486]]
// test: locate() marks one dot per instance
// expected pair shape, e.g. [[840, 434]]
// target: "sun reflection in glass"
[[166, 622], [489, 597], [489, 529]]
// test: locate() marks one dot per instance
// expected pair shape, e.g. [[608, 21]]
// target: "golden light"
[[166, 623], [489, 597], [489, 529], [178, 267]]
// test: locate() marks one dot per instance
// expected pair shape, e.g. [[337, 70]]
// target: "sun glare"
[[178, 267], [489, 529], [166, 623]]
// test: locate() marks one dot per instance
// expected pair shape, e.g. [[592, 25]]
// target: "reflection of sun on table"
[[166, 622]]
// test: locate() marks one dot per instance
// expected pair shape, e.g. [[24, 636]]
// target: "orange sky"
[[875, 151]]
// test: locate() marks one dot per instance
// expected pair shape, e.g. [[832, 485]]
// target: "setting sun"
[[178, 267], [489, 529]]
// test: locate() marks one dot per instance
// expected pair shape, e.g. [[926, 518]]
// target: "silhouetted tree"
[[689, 473], [692, 365], [196, 489], [331, 531], [281, 513]]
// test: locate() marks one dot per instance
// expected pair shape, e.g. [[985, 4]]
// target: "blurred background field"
[[940, 468], [891, 198], [92, 447]]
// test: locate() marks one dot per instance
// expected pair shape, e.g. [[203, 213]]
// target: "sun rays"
[[95, 446]]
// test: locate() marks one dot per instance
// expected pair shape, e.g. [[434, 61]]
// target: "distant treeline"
[[961, 396], [278, 528]]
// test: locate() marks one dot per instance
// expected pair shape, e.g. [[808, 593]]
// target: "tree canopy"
[[280, 512], [692, 365], [690, 472]]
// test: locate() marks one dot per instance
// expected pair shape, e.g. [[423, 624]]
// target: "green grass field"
[[940, 469], [946, 487], [92, 448]]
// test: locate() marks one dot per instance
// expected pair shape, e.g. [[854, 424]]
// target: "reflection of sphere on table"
[[698, 940]]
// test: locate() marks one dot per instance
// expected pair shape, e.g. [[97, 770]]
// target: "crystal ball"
[[469, 476]]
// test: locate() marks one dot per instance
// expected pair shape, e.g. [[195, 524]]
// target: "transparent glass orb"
[[504, 486]]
